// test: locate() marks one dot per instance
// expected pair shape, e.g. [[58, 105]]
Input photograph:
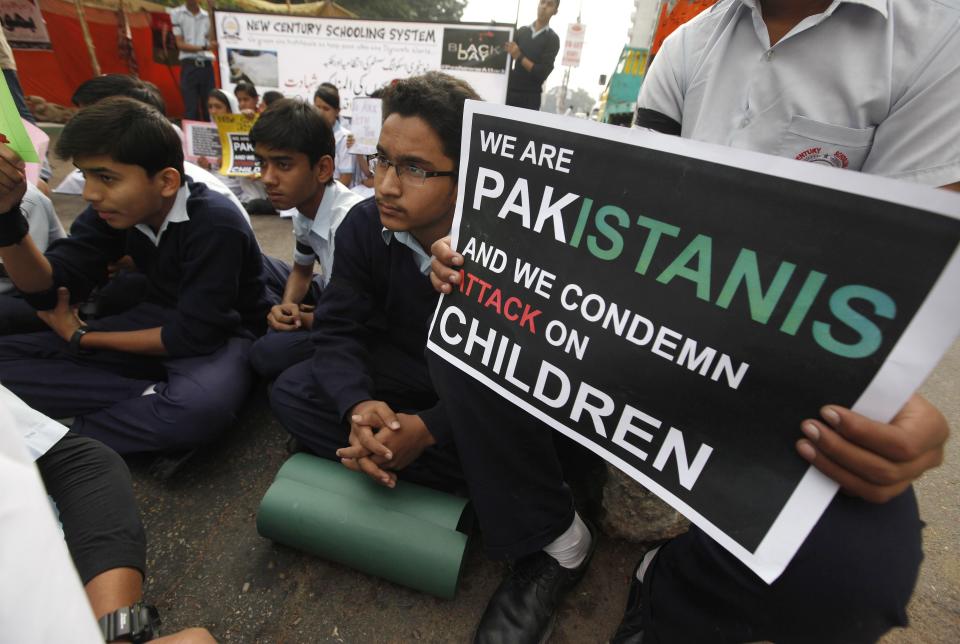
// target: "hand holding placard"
[[876, 461], [13, 181]]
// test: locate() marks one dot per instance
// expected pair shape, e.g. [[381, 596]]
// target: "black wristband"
[[13, 227]]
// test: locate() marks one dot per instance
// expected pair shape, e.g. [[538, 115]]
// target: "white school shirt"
[[318, 234], [869, 85], [41, 597], [194, 29]]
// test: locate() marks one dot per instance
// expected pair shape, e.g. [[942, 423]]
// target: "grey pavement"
[[209, 567]]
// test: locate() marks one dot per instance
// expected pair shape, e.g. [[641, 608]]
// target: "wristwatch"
[[137, 623], [75, 340]]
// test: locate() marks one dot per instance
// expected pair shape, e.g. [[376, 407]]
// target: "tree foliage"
[[422, 10]]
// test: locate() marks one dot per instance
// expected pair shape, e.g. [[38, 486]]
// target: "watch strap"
[[137, 623], [75, 340]]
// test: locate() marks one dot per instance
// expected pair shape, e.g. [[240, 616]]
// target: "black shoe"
[[631, 626], [524, 607]]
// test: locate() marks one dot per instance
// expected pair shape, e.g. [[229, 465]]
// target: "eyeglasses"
[[410, 175]]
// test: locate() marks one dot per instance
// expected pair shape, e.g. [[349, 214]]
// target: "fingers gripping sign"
[[444, 266], [875, 461], [13, 179]]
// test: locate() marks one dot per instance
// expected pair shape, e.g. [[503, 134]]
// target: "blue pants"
[[192, 400], [195, 84], [17, 316], [13, 82]]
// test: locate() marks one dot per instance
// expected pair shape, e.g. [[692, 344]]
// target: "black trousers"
[[17, 316], [312, 417], [91, 486], [529, 100], [850, 581], [195, 84]]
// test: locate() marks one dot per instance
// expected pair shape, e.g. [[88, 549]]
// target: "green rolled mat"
[[406, 535]]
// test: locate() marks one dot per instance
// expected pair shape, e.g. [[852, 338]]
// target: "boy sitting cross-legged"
[[171, 372], [295, 147]]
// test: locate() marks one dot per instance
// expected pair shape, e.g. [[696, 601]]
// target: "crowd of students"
[[340, 334]]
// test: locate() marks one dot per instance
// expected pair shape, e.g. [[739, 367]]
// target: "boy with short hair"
[[295, 148], [171, 372], [368, 371]]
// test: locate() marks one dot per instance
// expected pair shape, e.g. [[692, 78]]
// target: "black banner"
[[479, 50], [682, 315]]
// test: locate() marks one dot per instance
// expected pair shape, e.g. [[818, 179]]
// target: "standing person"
[[763, 76], [195, 40], [327, 100], [534, 52]]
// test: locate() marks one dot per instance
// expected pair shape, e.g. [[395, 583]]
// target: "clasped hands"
[[383, 442]]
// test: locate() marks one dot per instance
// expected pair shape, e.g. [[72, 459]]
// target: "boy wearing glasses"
[[295, 148], [368, 375]]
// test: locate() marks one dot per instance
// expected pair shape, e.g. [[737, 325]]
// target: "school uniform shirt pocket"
[[833, 145]]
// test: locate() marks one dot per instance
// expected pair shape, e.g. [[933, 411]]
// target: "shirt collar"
[[880, 6], [322, 222], [177, 214], [408, 240], [533, 29]]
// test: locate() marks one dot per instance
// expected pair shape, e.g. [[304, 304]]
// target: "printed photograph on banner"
[[254, 66], [680, 308], [23, 24], [480, 50], [358, 56], [201, 140], [238, 159]]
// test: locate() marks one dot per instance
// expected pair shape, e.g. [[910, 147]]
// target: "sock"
[[645, 563], [571, 547]]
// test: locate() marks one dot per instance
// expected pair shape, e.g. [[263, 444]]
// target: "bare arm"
[[26, 265]]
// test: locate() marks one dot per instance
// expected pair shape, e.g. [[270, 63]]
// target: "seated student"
[[295, 148], [247, 97], [16, 314], [327, 100], [171, 372], [271, 97], [250, 191], [370, 324], [40, 598], [101, 87]]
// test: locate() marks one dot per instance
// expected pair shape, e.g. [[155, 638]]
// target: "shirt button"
[[769, 54]]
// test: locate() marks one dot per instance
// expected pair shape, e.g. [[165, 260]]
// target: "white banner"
[[573, 46], [294, 54]]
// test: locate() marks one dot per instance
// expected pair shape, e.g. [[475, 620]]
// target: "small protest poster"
[[679, 307], [365, 123], [238, 159], [201, 140], [12, 131], [41, 142]]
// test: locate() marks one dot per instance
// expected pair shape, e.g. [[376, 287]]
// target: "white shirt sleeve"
[[41, 597], [664, 86], [918, 141]]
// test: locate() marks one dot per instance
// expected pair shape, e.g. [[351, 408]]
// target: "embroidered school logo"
[[836, 159], [230, 27]]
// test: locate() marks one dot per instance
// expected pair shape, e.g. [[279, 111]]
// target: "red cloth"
[[54, 75]]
